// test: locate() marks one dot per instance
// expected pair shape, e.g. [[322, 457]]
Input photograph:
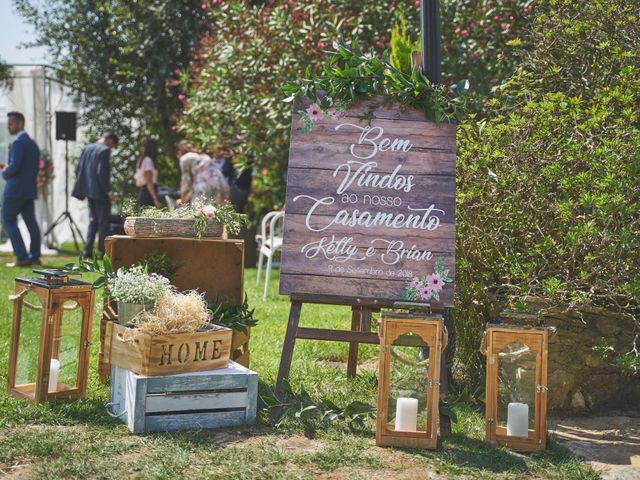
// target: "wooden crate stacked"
[[213, 267], [171, 382], [217, 398]]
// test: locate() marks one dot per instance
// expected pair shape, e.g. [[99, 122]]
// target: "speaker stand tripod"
[[66, 215]]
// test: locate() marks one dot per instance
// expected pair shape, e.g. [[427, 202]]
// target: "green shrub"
[[549, 198]]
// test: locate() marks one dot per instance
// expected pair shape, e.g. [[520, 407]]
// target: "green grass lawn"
[[79, 439]]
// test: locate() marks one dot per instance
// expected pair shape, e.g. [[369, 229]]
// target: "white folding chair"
[[269, 242], [171, 202]]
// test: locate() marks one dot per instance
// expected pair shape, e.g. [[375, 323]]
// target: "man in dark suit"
[[20, 192], [93, 182]]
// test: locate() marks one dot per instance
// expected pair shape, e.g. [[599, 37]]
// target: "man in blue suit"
[[20, 192], [93, 182]]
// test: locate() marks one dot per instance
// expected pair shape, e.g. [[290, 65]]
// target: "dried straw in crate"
[[174, 312]]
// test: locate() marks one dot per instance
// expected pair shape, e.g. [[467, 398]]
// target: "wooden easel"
[[361, 312]]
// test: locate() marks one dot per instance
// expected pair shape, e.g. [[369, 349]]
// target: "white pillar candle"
[[407, 414], [518, 420], [53, 374]]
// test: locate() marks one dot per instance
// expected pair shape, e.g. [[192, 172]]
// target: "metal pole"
[[430, 26]]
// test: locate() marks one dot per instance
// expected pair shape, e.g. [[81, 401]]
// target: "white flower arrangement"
[[136, 285]]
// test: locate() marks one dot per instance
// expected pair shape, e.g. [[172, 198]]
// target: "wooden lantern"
[[409, 379], [516, 396], [49, 351]]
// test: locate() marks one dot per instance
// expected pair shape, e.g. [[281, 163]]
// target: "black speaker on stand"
[[66, 130]]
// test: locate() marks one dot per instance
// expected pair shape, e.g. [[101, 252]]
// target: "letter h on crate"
[[211, 399]]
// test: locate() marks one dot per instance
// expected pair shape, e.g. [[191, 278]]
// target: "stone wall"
[[580, 379]]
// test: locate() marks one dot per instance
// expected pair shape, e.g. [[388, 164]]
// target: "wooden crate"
[[214, 267], [212, 399], [240, 347], [167, 354]]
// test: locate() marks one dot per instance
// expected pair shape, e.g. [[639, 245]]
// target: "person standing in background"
[[93, 182], [147, 175], [20, 192], [201, 179]]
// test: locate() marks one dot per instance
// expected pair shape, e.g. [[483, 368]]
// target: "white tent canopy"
[[38, 95]]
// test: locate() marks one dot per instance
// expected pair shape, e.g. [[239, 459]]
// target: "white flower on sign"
[[209, 211]]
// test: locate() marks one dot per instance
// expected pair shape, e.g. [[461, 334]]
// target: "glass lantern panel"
[[29, 344], [66, 348], [516, 389], [408, 384]]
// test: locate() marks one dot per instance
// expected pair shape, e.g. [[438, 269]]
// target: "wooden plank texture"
[[370, 206], [165, 423], [212, 399], [195, 401], [213, 267], [168, 227], [169, 354]]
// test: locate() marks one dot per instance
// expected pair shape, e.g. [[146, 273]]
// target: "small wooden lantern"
[[516, 396], [49, 351], [409, 379]]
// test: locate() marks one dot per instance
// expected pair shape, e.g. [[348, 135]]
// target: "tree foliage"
[[123, 59], [5, 74], [549, 198], [234, 96], [252, 50]]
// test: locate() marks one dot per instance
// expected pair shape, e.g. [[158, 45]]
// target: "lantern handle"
[[23, 293], [411, 363], [483, 344], [445, 338], [115, 415]]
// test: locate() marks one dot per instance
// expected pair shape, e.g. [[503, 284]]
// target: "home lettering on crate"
[[184, 350]]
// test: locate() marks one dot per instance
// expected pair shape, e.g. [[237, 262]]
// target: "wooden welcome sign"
[[370, 206]]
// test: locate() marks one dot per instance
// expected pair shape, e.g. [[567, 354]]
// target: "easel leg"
[[287, 349], [352, 361]]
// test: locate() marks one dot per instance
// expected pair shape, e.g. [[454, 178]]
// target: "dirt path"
[[611, 444]]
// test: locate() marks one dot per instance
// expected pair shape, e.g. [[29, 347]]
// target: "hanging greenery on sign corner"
[[350, 74]]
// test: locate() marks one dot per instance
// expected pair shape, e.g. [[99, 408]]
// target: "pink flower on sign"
[[425, 293], [209, 211], [314, 112], [415, 283], [41, 164], [435, 282], [335, 113]]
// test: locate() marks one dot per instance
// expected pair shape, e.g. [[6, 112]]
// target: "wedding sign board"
[[370, 205]]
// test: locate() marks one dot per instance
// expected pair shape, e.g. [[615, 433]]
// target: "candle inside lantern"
[[407, 414], [518, 420], [53, 375]]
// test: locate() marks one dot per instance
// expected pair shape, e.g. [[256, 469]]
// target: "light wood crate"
[[167, 354], [213, 399]]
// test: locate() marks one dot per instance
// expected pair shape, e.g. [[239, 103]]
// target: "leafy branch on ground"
[[299, 405]]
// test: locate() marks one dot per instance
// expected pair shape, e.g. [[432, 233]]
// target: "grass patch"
[[79, 439]]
